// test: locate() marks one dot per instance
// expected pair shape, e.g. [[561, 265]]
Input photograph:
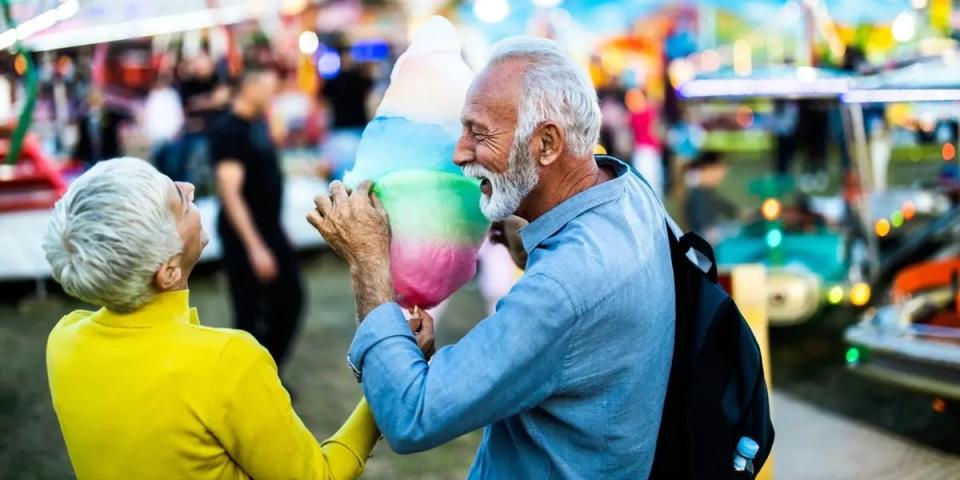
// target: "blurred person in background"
[[204, 96], [646, 156], [162, 119], [785, 117], [346, 95], [703, 206], [261, 265], [98, 129], [615, 135], [294, 111], [142, 390]]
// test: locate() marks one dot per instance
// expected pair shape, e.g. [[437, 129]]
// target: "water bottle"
[[747, 450]]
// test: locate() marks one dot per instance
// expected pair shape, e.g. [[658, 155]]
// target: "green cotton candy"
[[433, 206]]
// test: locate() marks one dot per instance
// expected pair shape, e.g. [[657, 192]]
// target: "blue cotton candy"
[[393, 144]]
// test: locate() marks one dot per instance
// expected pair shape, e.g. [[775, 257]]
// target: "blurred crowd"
[[174, 121]]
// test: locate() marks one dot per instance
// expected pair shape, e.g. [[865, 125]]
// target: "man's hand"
[[263, 263], [507, 233], [422, 325], [355, 226]]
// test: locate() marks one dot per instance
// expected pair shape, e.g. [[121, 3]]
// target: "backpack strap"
[[691, 240]]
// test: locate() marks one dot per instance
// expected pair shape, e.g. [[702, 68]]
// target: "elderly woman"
[[140, 388]]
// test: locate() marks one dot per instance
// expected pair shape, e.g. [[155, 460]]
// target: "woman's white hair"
[[555, 89], [110, 234]]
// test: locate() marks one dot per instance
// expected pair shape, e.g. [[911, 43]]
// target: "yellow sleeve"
[[251, 415]]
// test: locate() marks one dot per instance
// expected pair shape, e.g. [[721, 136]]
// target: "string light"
[[948, 152], [882, 227], [835, 295], [860, 294], [770, 209], [909, 210]]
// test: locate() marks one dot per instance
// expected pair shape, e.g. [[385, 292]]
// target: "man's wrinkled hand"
[[422, 325], [354, 224]]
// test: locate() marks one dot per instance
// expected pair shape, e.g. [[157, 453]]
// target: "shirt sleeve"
[[251, 416], [225, 144], [508, 363]]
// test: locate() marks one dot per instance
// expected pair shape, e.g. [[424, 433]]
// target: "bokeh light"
[[308, 42], [904, 27], [835, 295], [20, 65], [896, 219], [774, 238], [909, 210], [860, 294], [770, 209], [328, 65], [948, 152], [852, 356], [491, 11], [882, 227]]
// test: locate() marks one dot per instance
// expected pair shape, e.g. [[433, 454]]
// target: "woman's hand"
[[422, 325]]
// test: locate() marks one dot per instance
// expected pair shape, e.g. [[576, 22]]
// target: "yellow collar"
[[165, 308]]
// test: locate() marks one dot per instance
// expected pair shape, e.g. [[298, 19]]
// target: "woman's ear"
[[169, 275]]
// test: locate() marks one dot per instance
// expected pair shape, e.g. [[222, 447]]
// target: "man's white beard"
[[508, 189]]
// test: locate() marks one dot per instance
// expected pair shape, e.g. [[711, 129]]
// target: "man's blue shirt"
[[569, 375]]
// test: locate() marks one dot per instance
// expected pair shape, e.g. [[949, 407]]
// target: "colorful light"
[[835, 295], [20, 65], [939, 405], [893, 95], [747, 87], [774, 238], [491, 11], [308, 42], [904, 27], [770, 209], [896, 219], [860, 294], [882, 227], [948, 152], [909, 210], [852, 356], [328, 65]]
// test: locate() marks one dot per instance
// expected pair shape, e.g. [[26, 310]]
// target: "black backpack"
[[717, 392]]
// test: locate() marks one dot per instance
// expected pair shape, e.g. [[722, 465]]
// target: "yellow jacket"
[[153, 394]]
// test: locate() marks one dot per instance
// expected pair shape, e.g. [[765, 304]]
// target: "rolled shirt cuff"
[[383, 322]]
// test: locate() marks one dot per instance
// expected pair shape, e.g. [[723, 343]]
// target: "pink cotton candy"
[[426, 273]]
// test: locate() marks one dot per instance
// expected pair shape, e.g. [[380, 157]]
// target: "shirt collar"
[[165, 308], [554, 219]]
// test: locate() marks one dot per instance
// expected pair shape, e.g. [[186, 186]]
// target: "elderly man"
[[569, 375], [141, 390]]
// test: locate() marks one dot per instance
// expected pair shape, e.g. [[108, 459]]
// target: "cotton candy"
[[407, 150]]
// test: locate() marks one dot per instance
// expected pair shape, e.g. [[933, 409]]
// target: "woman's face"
[[189, 227]]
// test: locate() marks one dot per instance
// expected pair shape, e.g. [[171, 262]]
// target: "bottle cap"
[[747, 447]]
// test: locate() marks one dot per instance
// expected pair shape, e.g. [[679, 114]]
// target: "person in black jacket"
[[99, 130]]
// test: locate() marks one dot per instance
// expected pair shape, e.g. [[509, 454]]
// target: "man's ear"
[[548, 143], [169, 275]]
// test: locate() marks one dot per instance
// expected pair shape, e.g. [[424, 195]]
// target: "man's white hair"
[[555, 89], [110, 234]]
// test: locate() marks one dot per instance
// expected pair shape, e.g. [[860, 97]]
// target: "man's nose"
[[462, 154]]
